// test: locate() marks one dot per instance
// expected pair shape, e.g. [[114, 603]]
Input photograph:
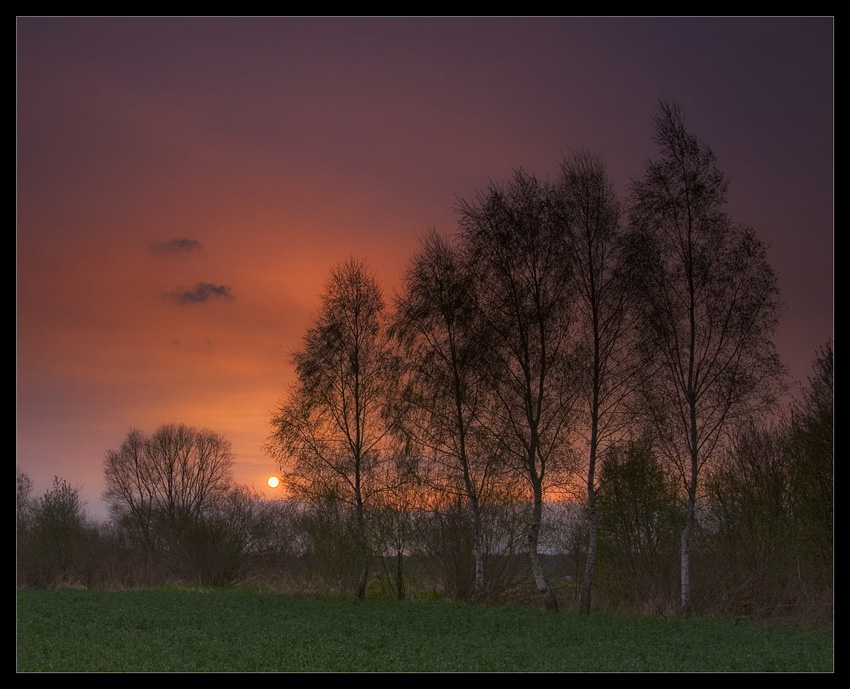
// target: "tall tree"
[[588, 207], [435, 326], [333, 431], [709, 310], [520, 253]]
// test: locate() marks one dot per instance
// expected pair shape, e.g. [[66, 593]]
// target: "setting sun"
[[273, 481]]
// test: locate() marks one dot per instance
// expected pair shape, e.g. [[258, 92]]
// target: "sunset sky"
[[185, 185]]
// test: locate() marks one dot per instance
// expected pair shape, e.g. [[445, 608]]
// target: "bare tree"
[[520, 253], [160, 483], [709, 309], [333, 432], [435, 325], [588, 207]]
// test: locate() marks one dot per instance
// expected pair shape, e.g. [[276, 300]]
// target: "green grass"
[[247, 631]]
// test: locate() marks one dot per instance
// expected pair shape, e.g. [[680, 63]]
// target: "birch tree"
[[588, 207], [436, 328], [709, 309], [520, 257], [332, 433]]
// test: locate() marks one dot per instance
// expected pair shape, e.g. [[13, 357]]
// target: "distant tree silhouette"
[[23, 498], [157, 485], [709, 309], [333, 432]]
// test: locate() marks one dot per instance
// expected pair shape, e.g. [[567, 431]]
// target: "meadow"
[[244, 630]]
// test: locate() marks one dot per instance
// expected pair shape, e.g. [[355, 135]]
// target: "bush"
[[56, 543]]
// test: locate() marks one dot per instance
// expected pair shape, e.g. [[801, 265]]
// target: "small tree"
[[812, 495], [56, 546], [638, 513], [749, 531], [217, 548]]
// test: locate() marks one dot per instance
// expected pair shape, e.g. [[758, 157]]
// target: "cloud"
[[178, 245], [203, 291]]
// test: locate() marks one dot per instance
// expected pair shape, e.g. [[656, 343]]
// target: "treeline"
[[211, 532], [764, 541], [574, 394]]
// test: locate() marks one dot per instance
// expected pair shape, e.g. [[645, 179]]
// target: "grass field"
[[246, 631]]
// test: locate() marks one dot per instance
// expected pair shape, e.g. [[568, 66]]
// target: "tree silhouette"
[[709, 309], [605, 325], [520, 253], [436, 327], [157, 485], [333, 432]]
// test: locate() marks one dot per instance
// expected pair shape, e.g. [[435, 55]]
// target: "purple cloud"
[[203, 291], [178, 245]]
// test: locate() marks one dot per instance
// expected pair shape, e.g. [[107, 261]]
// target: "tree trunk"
[[478, 554], [584, 605], [690, 514], [399, 574], [364, 562], [687, 531], [686, 604], [549, 599], [364, 576]]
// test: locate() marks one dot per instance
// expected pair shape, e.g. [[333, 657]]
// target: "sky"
[[185, 185]]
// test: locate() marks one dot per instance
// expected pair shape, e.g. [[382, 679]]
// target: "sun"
[[273, 481]]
